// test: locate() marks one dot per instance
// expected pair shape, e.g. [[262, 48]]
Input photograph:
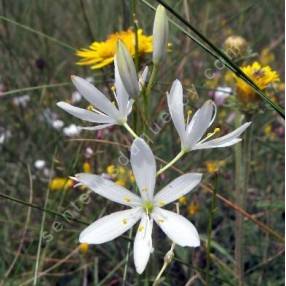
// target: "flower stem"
[[135, 26], [211, 213], [167, 258], [130, 130], [172, 162], [148, 90], [127, 259], [242, 160]]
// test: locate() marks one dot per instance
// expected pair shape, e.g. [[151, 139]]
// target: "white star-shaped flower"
[[147, 207], [103, 112], [191, 133]]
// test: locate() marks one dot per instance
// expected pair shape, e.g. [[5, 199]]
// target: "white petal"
[[127, 69], [108, 189], [143, 243], [84, 114], [176, 227], [176, 108], [95, 97], [144, 168], [111, 226], [224, 141], [94, 128], [200, 122], [122, 96], [177, 188]]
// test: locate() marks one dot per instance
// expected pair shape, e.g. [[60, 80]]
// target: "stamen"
[[140, 228], [162, 203], [190, 112], [211, 134], [90, 108], [127, 199], [124, 221]]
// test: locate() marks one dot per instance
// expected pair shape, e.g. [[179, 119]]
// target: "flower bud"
[[127, 70], [160, 35]]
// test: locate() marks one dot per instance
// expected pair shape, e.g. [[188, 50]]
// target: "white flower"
[[71, 130], [104, 111], [21, 100], [57, 124], [192, 131], [147, 207], [39, 164]]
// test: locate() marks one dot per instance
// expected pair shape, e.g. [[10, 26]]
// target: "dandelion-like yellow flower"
[[262, 76], [59, 184], [101, 54]]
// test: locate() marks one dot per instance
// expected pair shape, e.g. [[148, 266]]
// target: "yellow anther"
[[124, 221], [190, 112], [113, 88], [211, 134], [145, 190], [162, 203], [90, 108], [160, 220], [140, 228], [127, 199]]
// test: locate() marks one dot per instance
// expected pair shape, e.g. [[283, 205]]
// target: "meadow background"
[[38, 40]]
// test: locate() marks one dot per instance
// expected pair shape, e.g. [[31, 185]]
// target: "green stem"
[[148, 90], [127, 258], [130, 130], [172, 162], [135, 25], [242, 160], [210, 223]]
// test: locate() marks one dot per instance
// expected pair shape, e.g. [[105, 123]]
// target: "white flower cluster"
[[148, 206]]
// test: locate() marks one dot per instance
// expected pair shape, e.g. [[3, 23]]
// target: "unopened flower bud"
[[127, 70], [160, 35]]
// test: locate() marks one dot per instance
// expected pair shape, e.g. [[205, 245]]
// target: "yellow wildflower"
[[262, 76], [193, 208], [83, 247], [183, 200], [58, 184], [86, 167], [101, 54], [214, 166]]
